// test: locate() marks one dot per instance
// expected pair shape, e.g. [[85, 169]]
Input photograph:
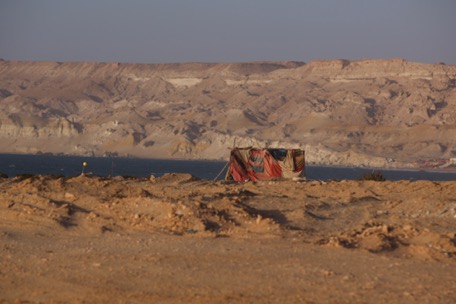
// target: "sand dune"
[[180, 239]]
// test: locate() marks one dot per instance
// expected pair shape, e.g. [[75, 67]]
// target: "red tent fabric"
[[238, 170], [250, 164]]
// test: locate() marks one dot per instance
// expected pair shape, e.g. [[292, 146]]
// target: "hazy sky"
[[157, 31]]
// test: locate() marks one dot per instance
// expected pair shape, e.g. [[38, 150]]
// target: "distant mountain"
[[368, 112]]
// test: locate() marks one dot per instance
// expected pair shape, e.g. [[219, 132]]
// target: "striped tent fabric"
[[252, 164]]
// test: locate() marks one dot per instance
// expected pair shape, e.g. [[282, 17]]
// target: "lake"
[[14, 164]]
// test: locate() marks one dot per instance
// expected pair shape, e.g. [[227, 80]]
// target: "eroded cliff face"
[[369, 112]]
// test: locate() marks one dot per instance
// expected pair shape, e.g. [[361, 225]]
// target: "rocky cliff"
[[368, 112]]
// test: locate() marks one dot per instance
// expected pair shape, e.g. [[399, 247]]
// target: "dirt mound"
[[355, 214], [171, 203], [380, 237], [174, 178]]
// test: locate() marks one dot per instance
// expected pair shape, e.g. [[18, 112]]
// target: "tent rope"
[[226, 165]]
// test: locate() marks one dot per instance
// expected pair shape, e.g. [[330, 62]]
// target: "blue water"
[[14, 164]]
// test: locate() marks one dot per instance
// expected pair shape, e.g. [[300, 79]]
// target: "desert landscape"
[[372, 112], [178, 239]]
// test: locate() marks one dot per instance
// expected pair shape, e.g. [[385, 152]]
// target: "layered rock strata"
[[369, 112]]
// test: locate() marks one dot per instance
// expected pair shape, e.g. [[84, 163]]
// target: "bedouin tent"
[[252, 164]]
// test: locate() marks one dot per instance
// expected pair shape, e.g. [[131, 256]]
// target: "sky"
[[168, 31]]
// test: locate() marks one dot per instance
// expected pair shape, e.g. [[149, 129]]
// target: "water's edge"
[[14, 164]]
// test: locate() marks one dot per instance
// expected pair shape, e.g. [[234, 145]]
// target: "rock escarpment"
[[368, 112]]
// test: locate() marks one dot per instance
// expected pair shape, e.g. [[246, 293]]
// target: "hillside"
[[368, 112]]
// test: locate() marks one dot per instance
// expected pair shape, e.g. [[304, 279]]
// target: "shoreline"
[[436, 170], [16, 164]]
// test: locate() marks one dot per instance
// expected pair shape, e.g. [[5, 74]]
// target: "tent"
[[252, 164]]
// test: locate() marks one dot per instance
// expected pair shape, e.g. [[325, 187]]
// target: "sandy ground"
[[177, 239]]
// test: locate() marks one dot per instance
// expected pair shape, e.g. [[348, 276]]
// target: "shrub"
[[374, 176]]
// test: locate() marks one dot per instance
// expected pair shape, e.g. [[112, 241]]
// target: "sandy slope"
[[176, 239]]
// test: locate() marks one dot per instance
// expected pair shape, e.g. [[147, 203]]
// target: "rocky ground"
[[177, 239]]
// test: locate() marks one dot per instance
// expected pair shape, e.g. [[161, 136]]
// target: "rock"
[[69, 196]]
